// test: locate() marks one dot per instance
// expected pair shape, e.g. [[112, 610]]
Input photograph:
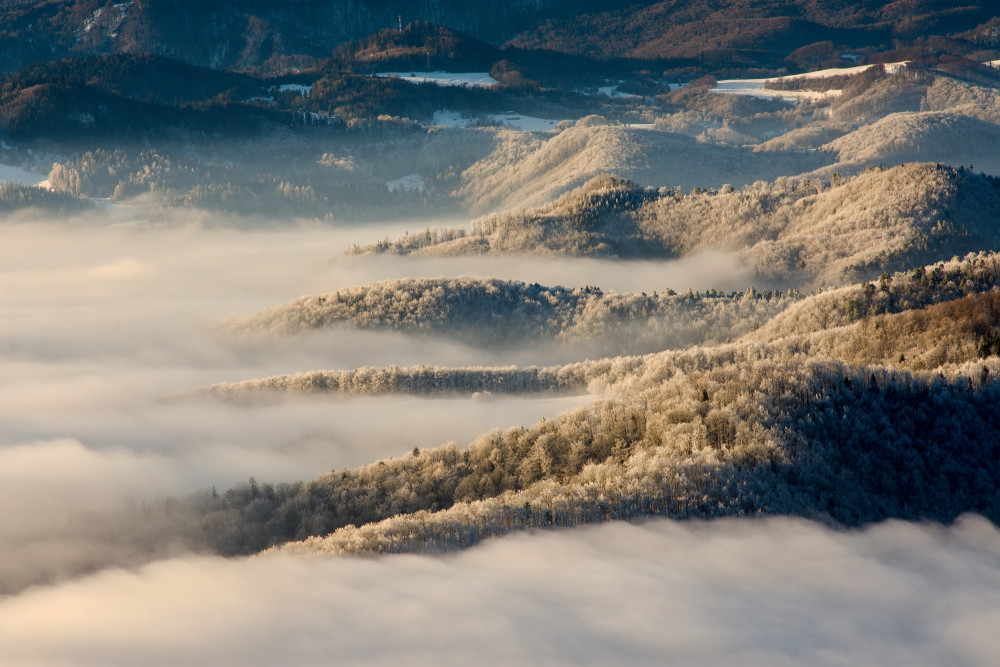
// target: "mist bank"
[[757, 592], [121, 493], [104, 325]]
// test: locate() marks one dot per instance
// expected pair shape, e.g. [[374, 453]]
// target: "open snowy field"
[[756, 87], [12, 174], [465, 79]]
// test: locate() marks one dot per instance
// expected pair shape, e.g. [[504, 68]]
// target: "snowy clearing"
[[526, 123], [755, 87], [449, 118], [466, 79], [12, 174], [302, 90], [613, 92], [826, 73]]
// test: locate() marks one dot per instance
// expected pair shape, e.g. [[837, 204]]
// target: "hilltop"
[[797, 231]]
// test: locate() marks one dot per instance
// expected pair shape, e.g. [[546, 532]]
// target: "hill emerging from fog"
[[914, 136], [498, 313], [805, 231], [869, 402], [526, 171]]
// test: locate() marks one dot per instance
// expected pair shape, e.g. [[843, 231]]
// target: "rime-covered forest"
[[362, 331]]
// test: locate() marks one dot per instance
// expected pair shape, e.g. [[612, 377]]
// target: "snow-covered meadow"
[[463, 79]]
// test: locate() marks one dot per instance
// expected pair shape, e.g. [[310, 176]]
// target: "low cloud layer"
[[701, 271], [105, 327], [754, 592]]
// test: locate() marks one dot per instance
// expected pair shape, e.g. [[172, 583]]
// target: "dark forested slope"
[[234, 35], [738, 32]]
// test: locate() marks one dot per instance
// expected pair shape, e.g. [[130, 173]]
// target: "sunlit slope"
[[867, 402], [922, 319], [792, 231], [528, 171], [917, 288], [724, 437], [814, 439], [902, 113], [914, 136]]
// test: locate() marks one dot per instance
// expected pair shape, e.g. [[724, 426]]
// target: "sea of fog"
[[106, 330], [729, 592]]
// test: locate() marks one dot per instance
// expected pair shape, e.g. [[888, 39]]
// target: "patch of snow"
[[889, 68], [992, 63], [613, 92], [319, 118], [409, 183], [120, 9], [525, 123], [640, 126], [86, 118], [304, 91], [12, 174], [88, 23], [463, 79], [448, 118], [825, 73], [755, 87]]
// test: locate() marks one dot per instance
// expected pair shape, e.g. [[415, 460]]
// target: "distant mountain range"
[[264, 35], [229, 35]]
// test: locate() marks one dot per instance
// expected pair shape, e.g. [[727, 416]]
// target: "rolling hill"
[[791, 232]]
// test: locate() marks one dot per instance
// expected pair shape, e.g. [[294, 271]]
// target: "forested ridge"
[[735, 437], [491, 312], [868, 402], [881, 219]]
